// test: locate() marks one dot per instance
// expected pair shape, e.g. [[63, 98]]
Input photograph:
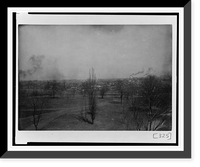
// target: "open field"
[[137, 104], [64, 113]]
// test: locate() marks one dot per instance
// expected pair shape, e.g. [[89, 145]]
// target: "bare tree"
[[90, 100], [147, 103], [103, 90], [36, 102], [22, 98], [121, 89], [132, 118], [157, 97], [62, 88], [52, 87]]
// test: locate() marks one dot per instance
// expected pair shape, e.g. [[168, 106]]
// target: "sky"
[[114, 51]]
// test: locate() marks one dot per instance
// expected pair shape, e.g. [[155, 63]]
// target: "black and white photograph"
[[95, 77], [98, 82]]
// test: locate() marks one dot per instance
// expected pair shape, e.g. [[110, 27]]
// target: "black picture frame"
[[186, 153]]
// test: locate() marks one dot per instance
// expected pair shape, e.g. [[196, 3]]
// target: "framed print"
[[99, 104], [99, 82]]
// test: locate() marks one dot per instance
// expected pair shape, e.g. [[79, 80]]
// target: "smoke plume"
[[41, 69], [35, 63]]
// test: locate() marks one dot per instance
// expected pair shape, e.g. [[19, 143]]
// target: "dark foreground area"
[[116, 105]]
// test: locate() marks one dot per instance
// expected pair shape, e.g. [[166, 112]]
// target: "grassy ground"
[[62, 113], [107, 117], [52, 105]]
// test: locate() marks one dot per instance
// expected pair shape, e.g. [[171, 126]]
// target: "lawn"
[[107, 118], [64, 113]]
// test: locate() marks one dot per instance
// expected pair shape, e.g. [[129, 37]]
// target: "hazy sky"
[[68, 52]]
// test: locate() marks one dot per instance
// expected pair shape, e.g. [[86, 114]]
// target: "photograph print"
[[95, 77]]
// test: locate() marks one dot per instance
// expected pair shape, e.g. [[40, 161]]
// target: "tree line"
[[144, 101]]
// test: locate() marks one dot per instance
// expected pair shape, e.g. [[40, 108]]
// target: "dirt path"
[[107, 118], [46, 118]]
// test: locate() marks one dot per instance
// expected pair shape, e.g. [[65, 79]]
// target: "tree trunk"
[[36, 127], [34, 119], [150, 114], [121, 96]]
